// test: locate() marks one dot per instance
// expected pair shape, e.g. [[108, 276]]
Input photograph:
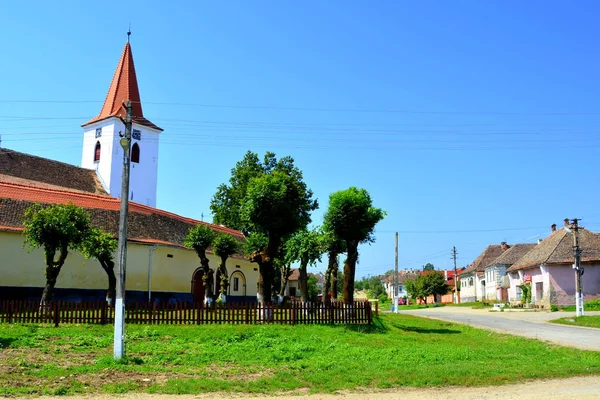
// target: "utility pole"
[[395, 287], [455, 276], [578, 269], [119, 347]]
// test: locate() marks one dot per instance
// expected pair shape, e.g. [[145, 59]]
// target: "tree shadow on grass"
[[440, 331], [376, 327], [6, 342]]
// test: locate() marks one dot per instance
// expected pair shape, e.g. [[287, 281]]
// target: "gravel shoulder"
[[580, 388]]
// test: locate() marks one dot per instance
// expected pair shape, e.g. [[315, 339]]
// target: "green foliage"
[[199, 238], [227, 202], [305, 247], [98, 244], [225, 245], [372, 285], [232, 207], [351, 215], [55, 227], [425, 285], [428, 267], [277, 205], [526, 296]]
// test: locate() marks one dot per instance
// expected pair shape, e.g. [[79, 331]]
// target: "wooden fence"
[[98, 312]]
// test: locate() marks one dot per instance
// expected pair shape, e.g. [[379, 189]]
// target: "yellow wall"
[[22, 268]]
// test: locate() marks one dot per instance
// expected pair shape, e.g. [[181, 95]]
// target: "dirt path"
[[581, 388]]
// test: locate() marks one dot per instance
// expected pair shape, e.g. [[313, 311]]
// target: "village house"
[[403, 276], [548, 268], [472, 279], [159, 266], [496, 280]]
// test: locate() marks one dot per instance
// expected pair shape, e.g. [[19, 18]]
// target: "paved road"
[[529, 324]]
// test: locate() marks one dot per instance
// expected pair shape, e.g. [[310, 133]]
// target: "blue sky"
[[469, 122]]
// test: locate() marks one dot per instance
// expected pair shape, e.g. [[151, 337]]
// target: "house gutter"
[[150, 272]]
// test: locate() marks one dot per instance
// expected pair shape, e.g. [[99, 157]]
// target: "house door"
[[197, 287], [237, 284]]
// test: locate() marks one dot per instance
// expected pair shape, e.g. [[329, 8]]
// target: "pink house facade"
[[549, 268]]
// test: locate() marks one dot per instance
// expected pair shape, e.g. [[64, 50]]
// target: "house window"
[[539, 291], [97, 152], [236, 284], [292, 292], [98, 132], [519, 293], [135, 153]]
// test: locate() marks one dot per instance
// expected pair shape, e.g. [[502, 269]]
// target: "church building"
[[159, 267]]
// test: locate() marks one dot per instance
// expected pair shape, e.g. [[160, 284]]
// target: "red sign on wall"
[[526, 278]]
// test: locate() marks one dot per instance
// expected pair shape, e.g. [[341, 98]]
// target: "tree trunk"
[[286, 271], [265, 280], [330, 289], [223, 278], [303, 280], [52, 271], [334, 281], [327, 286], [109, 267], [208, 279], [349, 271]]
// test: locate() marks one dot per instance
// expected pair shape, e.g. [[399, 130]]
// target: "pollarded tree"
[[276, 206], [305, 247], [224, 246], [57, 229], [200, 238], [352, 218], [334, 247], [101, 246], [269, 202]]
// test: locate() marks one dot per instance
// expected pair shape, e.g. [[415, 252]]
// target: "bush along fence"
[[99, 312]]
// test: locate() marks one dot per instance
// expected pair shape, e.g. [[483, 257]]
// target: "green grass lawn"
[[398, 350], [588, 321]]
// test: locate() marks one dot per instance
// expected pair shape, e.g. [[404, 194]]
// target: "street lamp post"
[[119, 345]]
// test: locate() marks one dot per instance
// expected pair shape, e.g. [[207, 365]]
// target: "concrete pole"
[[119, 345], [395, 294], [578, 269], [455, 276]]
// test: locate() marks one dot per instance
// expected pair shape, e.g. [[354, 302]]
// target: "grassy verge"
[[589, 321], [269, 359]]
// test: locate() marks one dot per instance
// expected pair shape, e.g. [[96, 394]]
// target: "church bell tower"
[[101, 149]]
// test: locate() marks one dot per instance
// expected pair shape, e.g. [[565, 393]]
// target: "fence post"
[[377, 308], [56, 314]]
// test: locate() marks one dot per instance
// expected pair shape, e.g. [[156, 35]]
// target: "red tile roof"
[[123, 87], [147, 224]]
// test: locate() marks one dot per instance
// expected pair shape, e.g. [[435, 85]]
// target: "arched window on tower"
[[97, 152], [135, 153]]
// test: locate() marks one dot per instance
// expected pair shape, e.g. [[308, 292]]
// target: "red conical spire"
[[122, 88]]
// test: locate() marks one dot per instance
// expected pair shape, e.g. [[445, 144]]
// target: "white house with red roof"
[[158, 266]]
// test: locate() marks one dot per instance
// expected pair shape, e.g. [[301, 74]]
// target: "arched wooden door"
[[237, 284], [197, 286]]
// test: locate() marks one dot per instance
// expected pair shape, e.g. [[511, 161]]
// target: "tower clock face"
[[137, 134]]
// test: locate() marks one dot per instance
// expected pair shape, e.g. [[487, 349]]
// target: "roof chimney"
[[540, 239], [553, 227], [566, 221], [504, 246]]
